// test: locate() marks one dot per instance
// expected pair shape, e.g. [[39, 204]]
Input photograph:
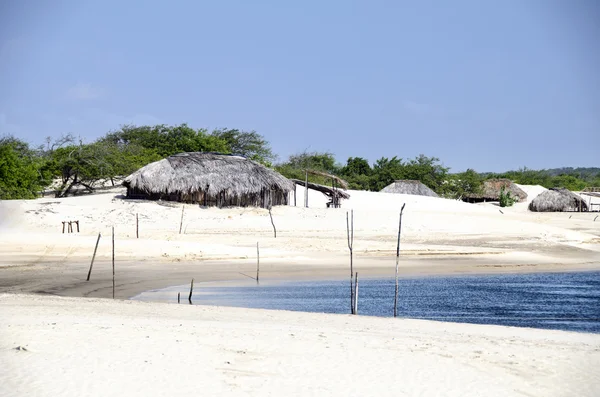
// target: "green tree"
[[427, 170], [386, 171], [166, 140], [357, 172], [250, 145], [458, 185], [19, 175], [506, 199], [296, 165]]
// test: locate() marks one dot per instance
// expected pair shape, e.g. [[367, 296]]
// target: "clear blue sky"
[[493, 85]]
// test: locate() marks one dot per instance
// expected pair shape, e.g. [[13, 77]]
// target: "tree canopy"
[[24, 171]]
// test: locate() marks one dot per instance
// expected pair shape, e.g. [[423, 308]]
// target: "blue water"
[[566, 301]]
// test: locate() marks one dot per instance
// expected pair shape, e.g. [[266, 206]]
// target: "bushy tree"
[[250, 145], [296, 165], [457, 186], [19, 170], [386, 171], [506, 199], [357, 172], [166, 140]]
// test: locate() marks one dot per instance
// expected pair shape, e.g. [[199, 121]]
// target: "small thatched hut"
[[409, 187], [557, 200], [210, 179], [491, 189]]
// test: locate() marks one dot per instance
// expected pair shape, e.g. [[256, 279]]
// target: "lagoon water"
[[566, 301]]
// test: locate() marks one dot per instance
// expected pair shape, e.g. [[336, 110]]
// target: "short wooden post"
[[178, 297], [63, 230], [70, 227], [191, 291], [397, 261], [77, 223], [295, 186], [257, 262], [137, 226], [356, 293], [113, 261], [181, 222], [93, 257]]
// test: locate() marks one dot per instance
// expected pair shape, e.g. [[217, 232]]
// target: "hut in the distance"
[[491, 189], [409, 187], [558, 200], [209, 179]]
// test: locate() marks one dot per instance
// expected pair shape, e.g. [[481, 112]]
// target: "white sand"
[[78, 347], [98, 347]]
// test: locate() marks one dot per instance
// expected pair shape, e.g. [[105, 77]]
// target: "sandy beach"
[[78, 344]]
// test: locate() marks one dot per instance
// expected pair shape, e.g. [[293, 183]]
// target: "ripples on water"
[[567, 301]]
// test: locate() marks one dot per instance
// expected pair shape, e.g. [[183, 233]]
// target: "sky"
[[489, 85]]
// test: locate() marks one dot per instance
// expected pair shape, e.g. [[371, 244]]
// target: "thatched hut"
[[409, 187], [558, 200], [210, 179], [491, 189]]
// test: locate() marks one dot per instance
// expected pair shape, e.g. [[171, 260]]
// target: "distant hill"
[[582, 172]]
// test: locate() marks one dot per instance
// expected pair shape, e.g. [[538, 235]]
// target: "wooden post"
[[178, 297], [93, 257], [70, 227], [77, 223], [350, 234], [272, 223], [306, 190], [295, 186], [113, 259], [397, 261], [356, 293], [191, 291], [181, 222], [137, 226], [63, 227], [257, 262]]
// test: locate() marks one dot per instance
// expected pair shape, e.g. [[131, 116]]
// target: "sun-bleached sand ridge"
[[80, 346]]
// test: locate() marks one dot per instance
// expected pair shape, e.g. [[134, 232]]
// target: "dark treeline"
[[25, 170]]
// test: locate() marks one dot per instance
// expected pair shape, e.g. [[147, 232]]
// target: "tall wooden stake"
[[93, 257], [350, 234], [272, 223], [356, 293], [137, 226], [178, 297], [181, 222], [191, 290], [306, 190], [113, 259], [257, 262], [295, 186], [397, 260]]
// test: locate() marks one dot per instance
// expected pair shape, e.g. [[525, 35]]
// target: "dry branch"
[[397, 261]]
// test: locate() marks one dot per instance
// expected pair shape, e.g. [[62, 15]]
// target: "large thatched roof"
[[409, 187], [491, 191], [211, 173], [557, 200]]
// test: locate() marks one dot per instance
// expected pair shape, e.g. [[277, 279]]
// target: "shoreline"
[[135, 277]]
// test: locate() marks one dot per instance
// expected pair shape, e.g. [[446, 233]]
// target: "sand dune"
[[77, 346]]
